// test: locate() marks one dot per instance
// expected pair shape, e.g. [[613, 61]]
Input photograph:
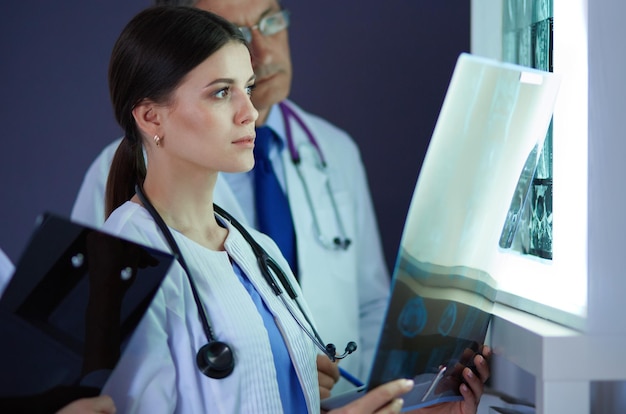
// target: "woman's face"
[[209, 124], [271, 54]]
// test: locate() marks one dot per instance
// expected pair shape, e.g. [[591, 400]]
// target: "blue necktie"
[[272, 207]]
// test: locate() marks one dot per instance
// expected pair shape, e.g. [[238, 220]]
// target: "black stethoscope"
[[216, 359], [341, 241]]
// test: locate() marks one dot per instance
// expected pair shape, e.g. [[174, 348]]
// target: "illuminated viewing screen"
[[494, 117]]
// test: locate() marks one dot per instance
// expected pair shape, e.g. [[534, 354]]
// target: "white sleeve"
[[88, 207], [144, 379]]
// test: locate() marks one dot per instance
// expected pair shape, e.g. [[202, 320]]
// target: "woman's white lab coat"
[[157, 373]]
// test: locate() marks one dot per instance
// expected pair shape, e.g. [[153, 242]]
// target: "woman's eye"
[[222, 93], [250, 89]]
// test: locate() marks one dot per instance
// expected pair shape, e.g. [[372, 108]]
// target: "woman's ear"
[[148, 117]]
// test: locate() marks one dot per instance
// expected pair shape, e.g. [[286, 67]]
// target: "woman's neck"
[[187, 207]]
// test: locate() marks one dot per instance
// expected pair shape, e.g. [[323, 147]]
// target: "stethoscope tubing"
[[265, 262], [341, 241], [293, 151], [178, 255]]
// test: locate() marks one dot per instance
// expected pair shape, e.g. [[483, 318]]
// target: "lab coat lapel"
[[300, 346]]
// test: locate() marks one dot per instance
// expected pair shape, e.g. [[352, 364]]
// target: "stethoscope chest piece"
[[215, 360]]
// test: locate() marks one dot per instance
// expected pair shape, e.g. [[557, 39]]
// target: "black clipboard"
[[72, 304]]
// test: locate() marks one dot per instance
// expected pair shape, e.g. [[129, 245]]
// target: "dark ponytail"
[[127, 169]]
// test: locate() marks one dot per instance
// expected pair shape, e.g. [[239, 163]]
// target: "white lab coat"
[[157, 372], [347, 290]]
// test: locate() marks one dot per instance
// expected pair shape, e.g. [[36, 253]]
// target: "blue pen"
[[353, 380]]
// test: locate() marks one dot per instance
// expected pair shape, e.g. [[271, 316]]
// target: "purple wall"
[[379, 71]]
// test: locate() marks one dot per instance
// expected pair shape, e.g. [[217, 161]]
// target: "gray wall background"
[[377, 69]]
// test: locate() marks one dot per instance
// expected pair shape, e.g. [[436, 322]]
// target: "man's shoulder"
[[109, 151], [315, 120], [323, 130], [101, 164]]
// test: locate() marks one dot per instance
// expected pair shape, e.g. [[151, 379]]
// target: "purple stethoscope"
[[341, 241]]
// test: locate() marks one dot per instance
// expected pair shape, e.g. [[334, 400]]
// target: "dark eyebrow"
[[228, 81], [268, 11]]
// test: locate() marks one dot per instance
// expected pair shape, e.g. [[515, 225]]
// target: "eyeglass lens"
[[268, 25]]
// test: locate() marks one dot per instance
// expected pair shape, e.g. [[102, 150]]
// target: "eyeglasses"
[[267, 26]]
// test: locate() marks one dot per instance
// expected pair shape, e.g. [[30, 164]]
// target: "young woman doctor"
[[218, 338]]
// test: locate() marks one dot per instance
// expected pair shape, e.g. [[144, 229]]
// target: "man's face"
[[271, 59]]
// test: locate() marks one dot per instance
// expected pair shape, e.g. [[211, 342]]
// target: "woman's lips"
[[247, 141]]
